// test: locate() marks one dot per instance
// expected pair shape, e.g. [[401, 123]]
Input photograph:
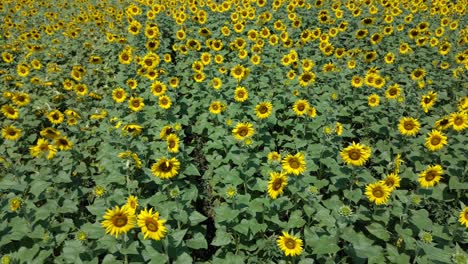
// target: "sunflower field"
[[234, 131]]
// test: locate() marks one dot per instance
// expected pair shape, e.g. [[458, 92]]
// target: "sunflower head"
[[290, 245], [356, 154], [118, 220]]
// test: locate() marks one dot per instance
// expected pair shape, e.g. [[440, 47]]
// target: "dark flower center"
[[290, 243], [435, 140], [151, 225], [119, 220]]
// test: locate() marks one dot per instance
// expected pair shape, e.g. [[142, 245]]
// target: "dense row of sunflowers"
[[237, 126]]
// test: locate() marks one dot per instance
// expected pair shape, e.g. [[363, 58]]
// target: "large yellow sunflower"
[[241, 94], [11, 132], [392, 181], [278, 180], [463, 218], [459, 121], [435, 140], [263, 110], [43, 147], [166, 168], [294, 164], [300, 107], [242, 131], [431, 176], [409, 126], [118, 220], [10, 112], [151, 225], [378, 192], [356, 154], [136, 104], [290, 245]]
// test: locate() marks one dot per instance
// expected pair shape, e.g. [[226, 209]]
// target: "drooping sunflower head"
[[63, 143], [132, 203]]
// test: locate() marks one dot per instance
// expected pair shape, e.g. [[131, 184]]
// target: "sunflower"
[[357, 81], [274, 156], [278, 180], [431, 176], [428, 100], [151, 225], [132, 203], [409, 126], [165, 102], [290, 245], [242, 131], [216, 107], [50, 133], [389, 58], [393, 91], [22, 70], [172, 143], [81, 89], [378, 192], [392, 181], [463, 217], [238, 72], [443, 123], [263, 110], [294, 164], [166, 131], [217, 83], [133, 129], [158, 88], [241, 94], [118, 220], [10, 112], [166, 168], [373, 100], [119, 95], [136, 104], [300, 107], [55, 117], [11, 133], [435, 140], [418, 74], [63, 143], [306, 78], [356, 154], [459, 121], [21, 99], [43, 147]]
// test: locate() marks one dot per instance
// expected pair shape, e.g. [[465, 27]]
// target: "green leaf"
[[378, 231], [196, 218], [184, 258], [197, 242], [191, 170], [38, 186], [225, 213], [222, 238], [177, 236], [296, 220]]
